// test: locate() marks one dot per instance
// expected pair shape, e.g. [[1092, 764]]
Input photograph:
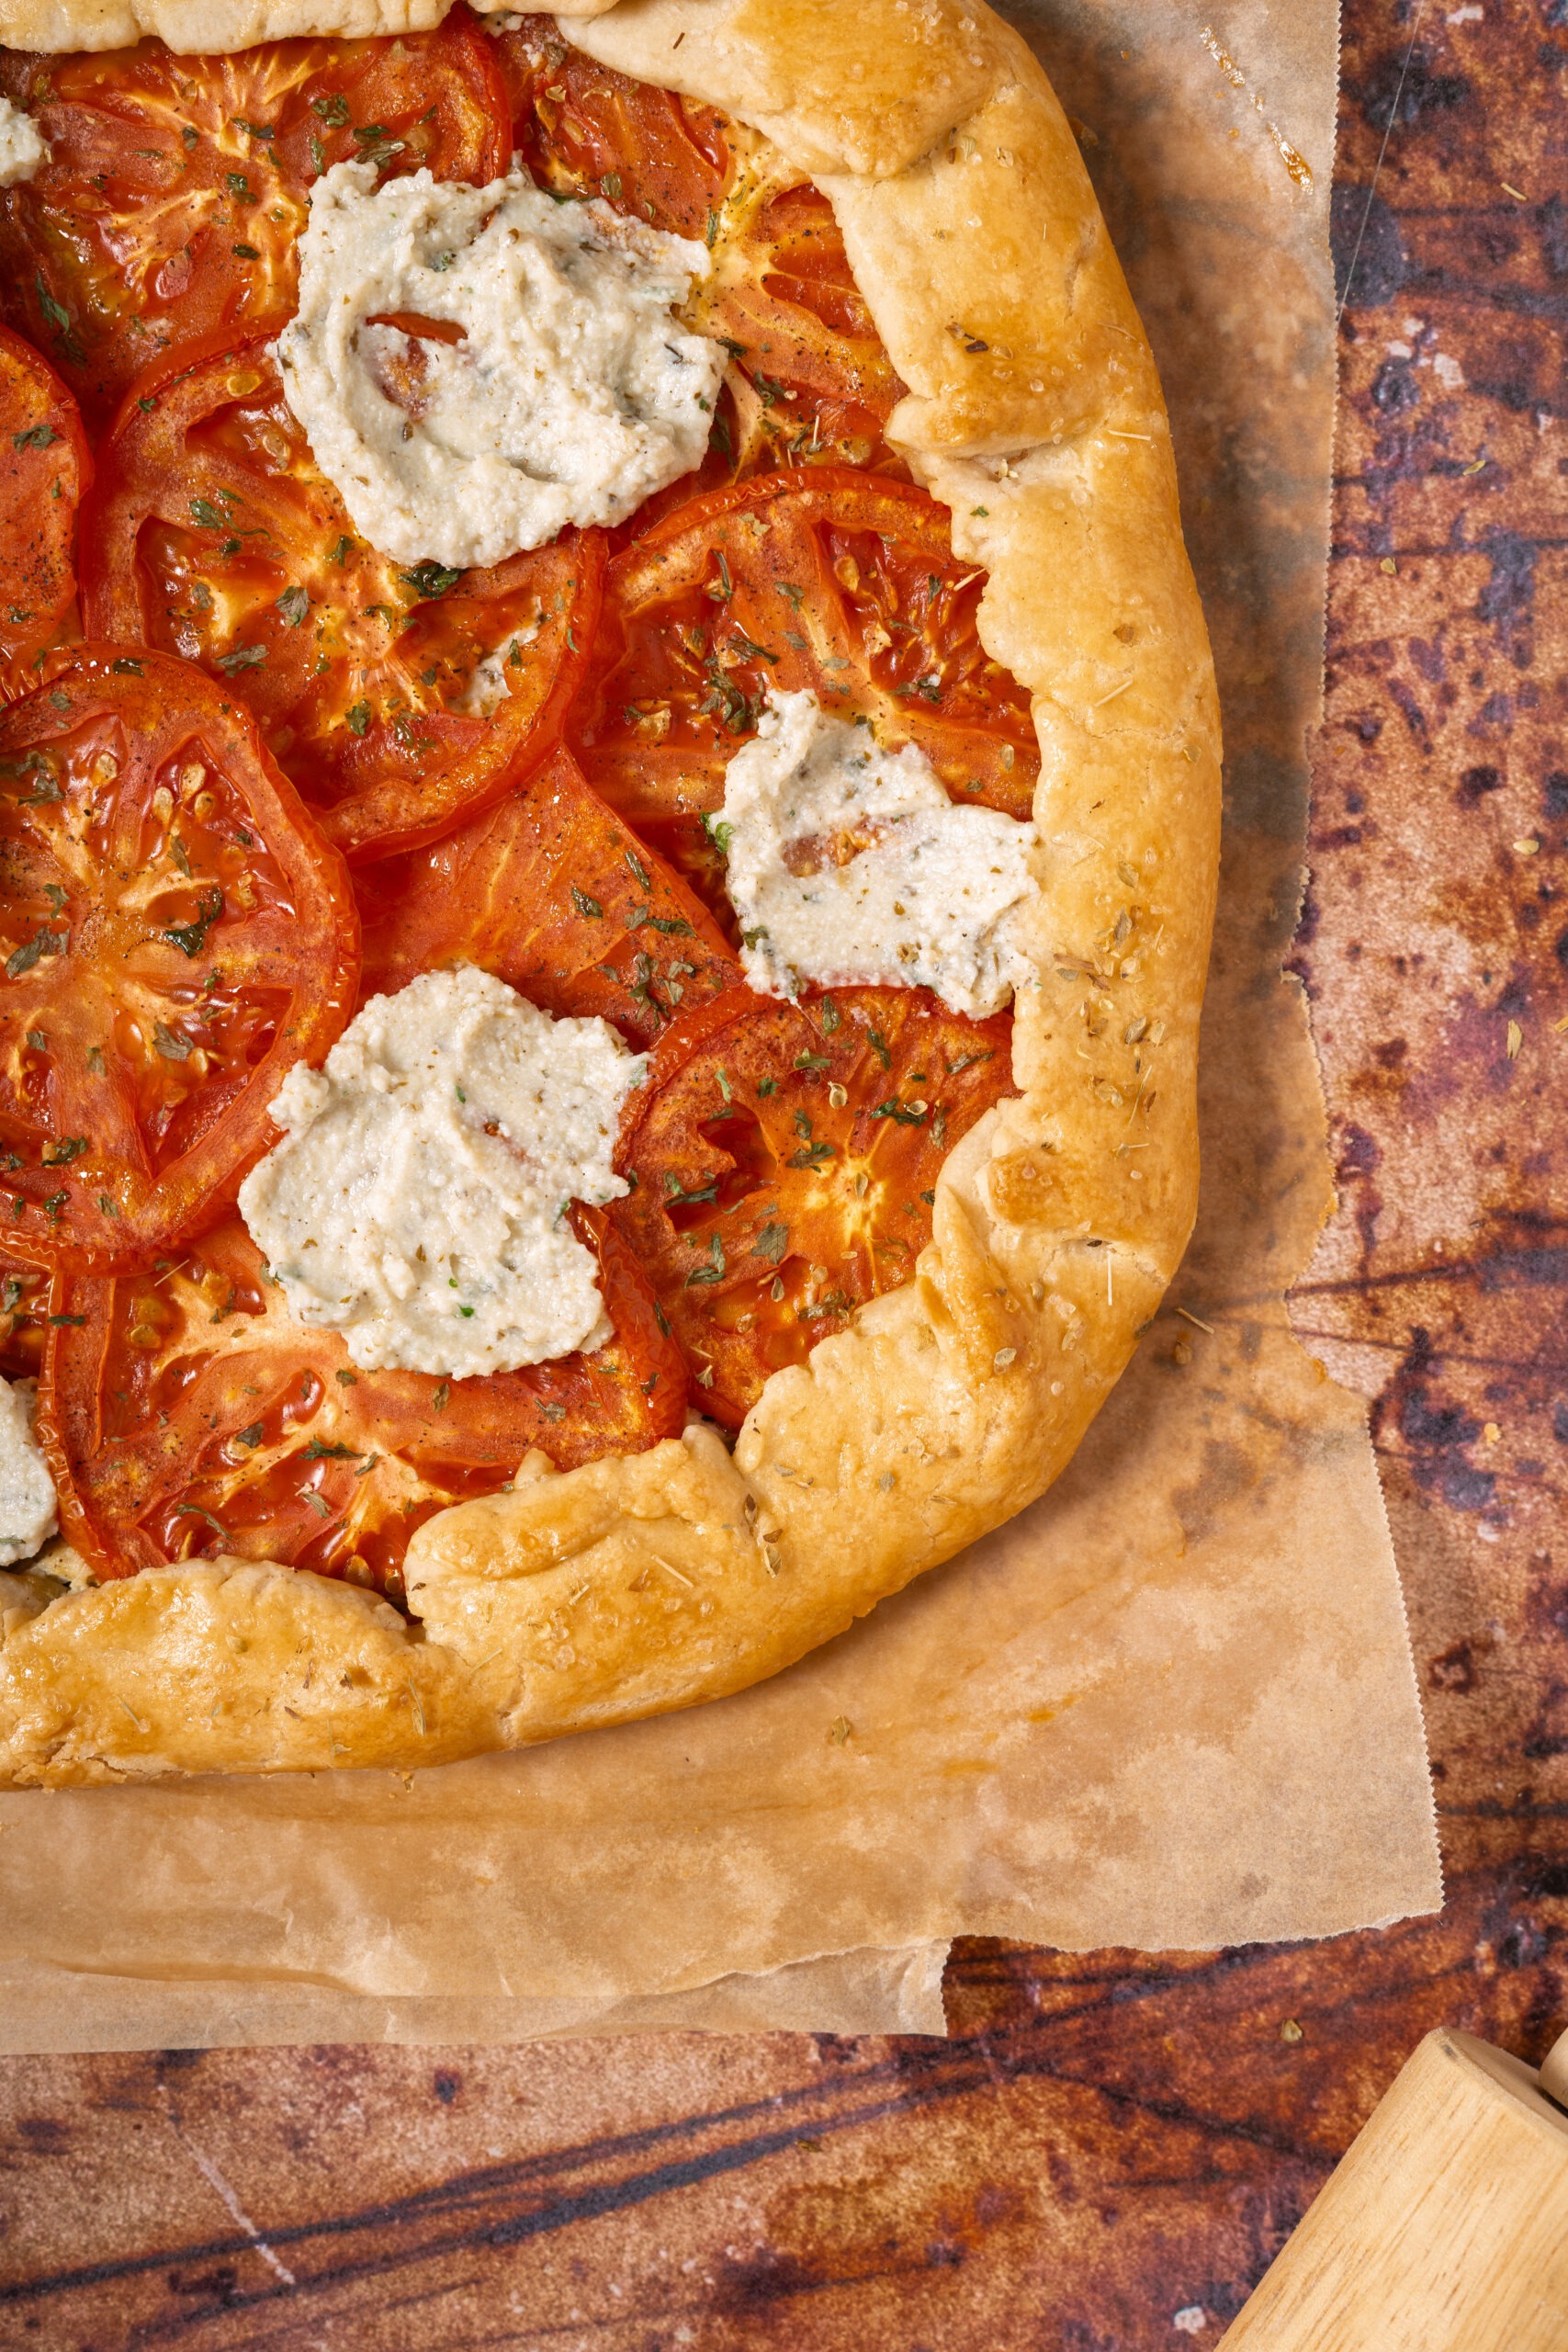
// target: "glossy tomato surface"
[[176, 187], [44, 470], [213, 534], [787, 1157], [175, 935], [811, 381], [828, 579], [558, 897], [188, 1412], [24, 1317]]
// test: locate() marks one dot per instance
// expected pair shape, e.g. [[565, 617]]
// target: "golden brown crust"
[[192, 26], [633, 1585]]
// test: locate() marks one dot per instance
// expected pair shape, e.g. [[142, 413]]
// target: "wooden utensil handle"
[[1445, 2228]]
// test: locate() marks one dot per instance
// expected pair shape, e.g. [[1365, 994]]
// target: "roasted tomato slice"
[[825, 578], [175, 935], [186, 1411], [396, 699], [812, 381], [177, 186], [560, 900], [786, 1162], [581, 127], [44, 470], [24, 1317]]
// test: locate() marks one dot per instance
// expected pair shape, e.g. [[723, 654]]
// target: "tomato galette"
[[608, 822]]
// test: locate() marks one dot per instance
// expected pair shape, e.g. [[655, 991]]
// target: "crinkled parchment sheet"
[[1172, 1705]]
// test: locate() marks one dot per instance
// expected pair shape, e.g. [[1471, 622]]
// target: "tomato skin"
[[541, 889], [585, 128], [357, 678], [135, 236], [824, 579], [45, 468], [24, 1317], [175, 935], [176, 1407], [766, 1210], [812, 378]]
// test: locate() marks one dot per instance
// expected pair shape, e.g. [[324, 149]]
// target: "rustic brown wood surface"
[[1111, 2149]]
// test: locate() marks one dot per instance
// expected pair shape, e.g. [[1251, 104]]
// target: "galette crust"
[[644, 1583]]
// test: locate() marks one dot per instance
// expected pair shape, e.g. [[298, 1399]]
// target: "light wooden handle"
[[1445, 2229], [1554, 2071]]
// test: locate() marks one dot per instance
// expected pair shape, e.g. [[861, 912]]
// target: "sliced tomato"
[[822, 579], [816, 382], [214, 534], [24, 1317], [177, 186], [44, 470], [186, 1411], [581, 127], [558, 898], [785, 1159], [813, 380], [175, 935]]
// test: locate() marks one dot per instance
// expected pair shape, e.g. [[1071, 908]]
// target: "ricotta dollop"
[[417, 1202], [848, 863], [567, 394], [22, 145], [27, 1490]]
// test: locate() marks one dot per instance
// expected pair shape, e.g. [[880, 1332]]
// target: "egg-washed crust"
[[639, 1584]]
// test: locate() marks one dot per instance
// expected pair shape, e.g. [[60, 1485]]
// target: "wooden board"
[[1111, 2149]]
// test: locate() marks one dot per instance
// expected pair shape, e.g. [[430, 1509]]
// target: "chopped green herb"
[[191, 938], [39, 438], [68, 1149], [431, 579], [43, 942], [713, 1271], [194, 1510], [294, 604], [772, 1243], [358, 716], [126, 669], [585, 905], [174, 1047]]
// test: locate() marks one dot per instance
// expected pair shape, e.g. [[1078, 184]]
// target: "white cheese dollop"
[[848, 863], [570, 396], [27, 1490], [416, 1203], [22, 145]]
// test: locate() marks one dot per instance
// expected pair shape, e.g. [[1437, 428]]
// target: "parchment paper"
[[1171, 1705]]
